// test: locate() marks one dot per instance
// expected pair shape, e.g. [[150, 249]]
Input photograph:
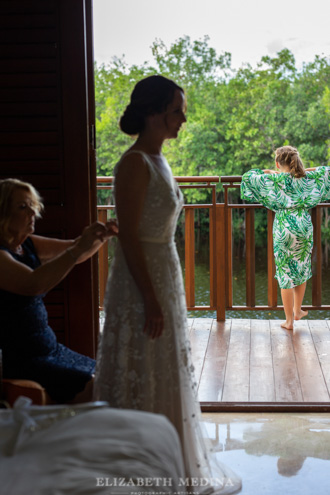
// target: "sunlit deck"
[[242, 361], [244, 364]]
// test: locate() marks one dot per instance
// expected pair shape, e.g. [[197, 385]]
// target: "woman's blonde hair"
[[7, 188], [289, 156]]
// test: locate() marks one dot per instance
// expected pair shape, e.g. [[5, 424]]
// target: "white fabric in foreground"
[[87, 450]]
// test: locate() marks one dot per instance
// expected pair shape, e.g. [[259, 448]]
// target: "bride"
[[144, 358]]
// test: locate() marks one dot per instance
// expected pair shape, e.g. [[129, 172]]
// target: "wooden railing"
[[221, 249], [208, 182]]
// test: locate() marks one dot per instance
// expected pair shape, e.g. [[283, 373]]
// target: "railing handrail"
[[192, 178], [231, 178]]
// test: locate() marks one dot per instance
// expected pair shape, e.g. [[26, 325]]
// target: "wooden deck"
[[251, 362]]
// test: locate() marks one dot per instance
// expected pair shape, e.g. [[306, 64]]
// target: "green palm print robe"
[[291, 199]]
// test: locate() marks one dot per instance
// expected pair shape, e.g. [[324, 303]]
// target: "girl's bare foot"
[[287, 325], [300, 314]]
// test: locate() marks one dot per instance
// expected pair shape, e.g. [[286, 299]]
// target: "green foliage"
[[235, 119], [326, 104], [113, 86]]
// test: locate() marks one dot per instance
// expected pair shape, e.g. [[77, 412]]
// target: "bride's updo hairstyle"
[[289, 156], [150, 95]]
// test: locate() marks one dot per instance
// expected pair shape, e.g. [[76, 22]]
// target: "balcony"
[[242, 362]]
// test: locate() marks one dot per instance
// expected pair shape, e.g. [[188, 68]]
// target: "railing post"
[[190, 256], [317, 252], [221, 262], [213, 274], [213, 250], [250, 258], [103, 260], [272, 284], [228, 252]]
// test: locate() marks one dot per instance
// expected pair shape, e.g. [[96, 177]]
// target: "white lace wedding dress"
[[136, 372]]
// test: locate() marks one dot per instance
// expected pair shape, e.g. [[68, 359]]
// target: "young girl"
[[290, 191]]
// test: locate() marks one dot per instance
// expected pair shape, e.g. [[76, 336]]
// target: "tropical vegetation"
[[236, 118]]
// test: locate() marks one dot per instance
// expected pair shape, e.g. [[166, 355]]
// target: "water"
[[202, 287], [202, 291]]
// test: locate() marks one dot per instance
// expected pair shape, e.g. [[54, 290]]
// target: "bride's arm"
[[131, 186]]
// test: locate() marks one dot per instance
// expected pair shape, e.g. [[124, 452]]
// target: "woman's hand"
[[154, 320], [93, 235], [91, 239], [112, 228]]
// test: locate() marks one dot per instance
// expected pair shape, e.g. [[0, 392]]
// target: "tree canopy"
[[235, 118]]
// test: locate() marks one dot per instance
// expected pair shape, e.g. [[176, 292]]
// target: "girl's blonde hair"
[[289, 156], [7, 188]]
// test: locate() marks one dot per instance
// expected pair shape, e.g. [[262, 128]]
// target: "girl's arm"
[[131, 187], [21, 279]]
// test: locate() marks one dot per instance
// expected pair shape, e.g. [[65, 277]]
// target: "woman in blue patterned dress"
[[30, 266], [290, 191]]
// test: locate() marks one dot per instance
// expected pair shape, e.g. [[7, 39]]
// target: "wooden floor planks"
[[213, 375], [237, 377], [243, 360], [262, 384]]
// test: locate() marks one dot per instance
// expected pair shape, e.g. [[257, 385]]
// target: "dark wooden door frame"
[[46, 118], [79, 164]]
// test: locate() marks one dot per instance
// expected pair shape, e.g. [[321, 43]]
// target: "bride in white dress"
[[144, 358]]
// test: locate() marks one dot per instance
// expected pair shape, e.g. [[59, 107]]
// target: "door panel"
[[47, 101]]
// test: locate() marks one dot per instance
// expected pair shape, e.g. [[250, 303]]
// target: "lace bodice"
[[163, 203]]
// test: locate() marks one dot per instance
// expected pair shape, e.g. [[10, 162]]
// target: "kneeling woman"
[[30, 266]]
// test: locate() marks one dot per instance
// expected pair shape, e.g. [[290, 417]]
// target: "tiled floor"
[[274, 453]]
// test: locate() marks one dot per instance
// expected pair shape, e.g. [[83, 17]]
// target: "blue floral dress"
[[291, 199], [29, 346]]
